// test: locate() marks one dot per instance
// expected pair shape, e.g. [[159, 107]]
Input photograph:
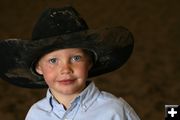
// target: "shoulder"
[[111, 101], [43, 104], [39, 108], [116, 106]]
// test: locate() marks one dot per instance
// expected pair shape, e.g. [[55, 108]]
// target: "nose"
[[65, 68]]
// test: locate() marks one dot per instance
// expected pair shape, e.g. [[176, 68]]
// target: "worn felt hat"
[[59, 28]]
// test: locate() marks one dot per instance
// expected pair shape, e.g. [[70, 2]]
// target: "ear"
[[38, 69], [90, 65]]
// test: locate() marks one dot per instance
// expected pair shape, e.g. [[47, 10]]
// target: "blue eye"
[[53, 60], [76, 58]]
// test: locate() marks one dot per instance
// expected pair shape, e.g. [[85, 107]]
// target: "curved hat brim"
[[111, 46]]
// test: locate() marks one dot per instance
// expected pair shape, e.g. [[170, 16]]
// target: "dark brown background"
[[148, 81]]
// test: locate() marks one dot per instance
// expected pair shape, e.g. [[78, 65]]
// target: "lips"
[[66, 81]]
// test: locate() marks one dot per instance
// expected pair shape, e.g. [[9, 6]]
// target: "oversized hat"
[[59, 28]]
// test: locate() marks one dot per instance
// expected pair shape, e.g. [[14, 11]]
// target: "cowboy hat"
[[59, 28]]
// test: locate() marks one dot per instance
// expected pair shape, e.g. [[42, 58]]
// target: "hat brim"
[[112, 47]]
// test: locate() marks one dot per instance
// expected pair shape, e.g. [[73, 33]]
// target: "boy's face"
[[65, 71]]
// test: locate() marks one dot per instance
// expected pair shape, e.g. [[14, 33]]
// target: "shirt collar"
[[88, 96], [46, 103]]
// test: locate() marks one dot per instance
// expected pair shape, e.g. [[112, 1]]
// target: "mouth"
[[67, 81]]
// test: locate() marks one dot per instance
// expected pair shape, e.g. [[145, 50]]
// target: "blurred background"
[[148, 81]]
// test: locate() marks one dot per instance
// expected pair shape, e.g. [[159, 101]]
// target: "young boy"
[[63, 55]]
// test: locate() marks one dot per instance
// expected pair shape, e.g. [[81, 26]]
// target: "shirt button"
[[84, 107]]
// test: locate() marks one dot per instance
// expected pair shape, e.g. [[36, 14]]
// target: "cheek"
[[48, 74], [82, 70]]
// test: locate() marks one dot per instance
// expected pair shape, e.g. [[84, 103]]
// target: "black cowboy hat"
[[59, 28]]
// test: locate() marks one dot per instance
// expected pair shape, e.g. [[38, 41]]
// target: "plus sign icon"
[[172, 112]]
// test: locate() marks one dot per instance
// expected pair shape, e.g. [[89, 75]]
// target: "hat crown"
[[58, 21]]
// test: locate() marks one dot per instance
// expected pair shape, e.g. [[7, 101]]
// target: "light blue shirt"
[[91, 104]]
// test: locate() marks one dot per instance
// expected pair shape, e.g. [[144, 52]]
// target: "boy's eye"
[[53, 60], [76, 58]]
